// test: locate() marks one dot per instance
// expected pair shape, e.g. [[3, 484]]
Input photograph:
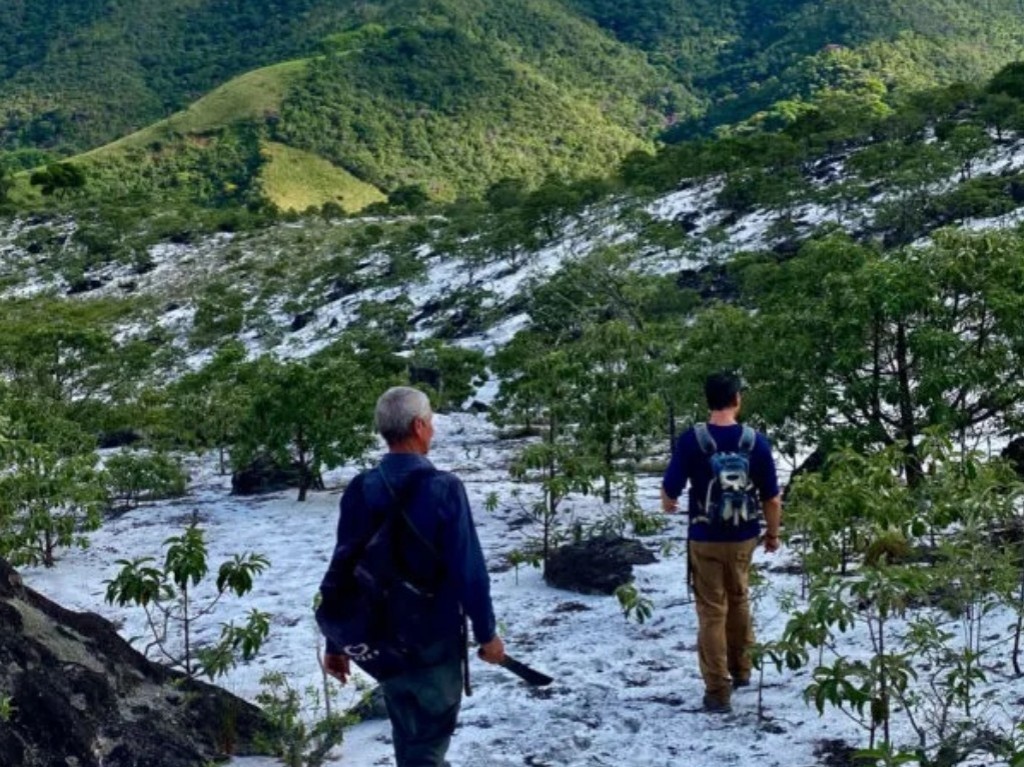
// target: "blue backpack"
[[371, 606], [731, 498]]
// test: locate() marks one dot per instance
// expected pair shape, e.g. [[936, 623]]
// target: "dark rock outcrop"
[[118, 438], [80, 695], [300, 320], [265, 475], [1014, 453], [596, 565], [711, 282], [428, 376]]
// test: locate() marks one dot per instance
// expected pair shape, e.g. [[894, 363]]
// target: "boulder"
[[596, 565], [118, 438], [711, 282], [300, 320], [266, 475], [427, 376], [81, 695], [371, 707], [1014, 453]]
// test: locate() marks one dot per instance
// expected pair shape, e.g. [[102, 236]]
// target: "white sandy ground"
[[621, 688]]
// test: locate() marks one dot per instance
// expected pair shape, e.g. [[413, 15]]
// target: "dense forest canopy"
[[77, 75]]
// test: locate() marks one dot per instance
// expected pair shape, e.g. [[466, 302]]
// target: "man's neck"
[[411, 447], [725, 417]]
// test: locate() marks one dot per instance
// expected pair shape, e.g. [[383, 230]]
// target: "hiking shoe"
[[713, 705], [739, 682]]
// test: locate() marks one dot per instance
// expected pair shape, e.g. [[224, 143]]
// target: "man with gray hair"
[[423, 689]]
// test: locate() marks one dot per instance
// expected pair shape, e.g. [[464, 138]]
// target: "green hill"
[[744, 55], [434, 106], [450, 94]]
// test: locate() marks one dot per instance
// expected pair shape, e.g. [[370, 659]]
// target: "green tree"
[[459, 372], [617, 410], [59, 179], [208, 406], [51, 491], [6, 182], [873, 348], [316, 413], [134, 477], [539, 385]]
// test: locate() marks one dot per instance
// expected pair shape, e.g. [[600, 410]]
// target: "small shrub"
[[135, 477]]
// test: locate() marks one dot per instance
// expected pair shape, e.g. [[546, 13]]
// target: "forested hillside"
[[76, 75]]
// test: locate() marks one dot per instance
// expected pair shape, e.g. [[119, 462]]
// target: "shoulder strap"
[[747, 439], [707, 443], [402, 500]]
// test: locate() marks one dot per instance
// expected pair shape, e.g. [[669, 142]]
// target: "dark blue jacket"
[[440, 512], [690, 466]]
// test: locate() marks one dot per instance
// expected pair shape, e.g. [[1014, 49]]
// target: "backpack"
[[730, 497], [372, 606]]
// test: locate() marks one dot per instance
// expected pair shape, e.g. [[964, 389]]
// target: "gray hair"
[[396, 410]]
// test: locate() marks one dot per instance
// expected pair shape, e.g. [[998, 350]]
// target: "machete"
[[529, 675]]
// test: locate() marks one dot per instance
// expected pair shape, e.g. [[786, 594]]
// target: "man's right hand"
[[493, 651], [337, 666], [771, 543]]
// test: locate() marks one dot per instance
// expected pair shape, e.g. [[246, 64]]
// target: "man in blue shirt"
[[720, 554], [423, 697]]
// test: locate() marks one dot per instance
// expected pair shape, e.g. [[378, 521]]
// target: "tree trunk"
[[908, 430], [304, 478], [607, 494]]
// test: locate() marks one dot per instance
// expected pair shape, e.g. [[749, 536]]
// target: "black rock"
[[596, 565], [117, 438], [265, 475], [812, 464], [302, 319], [84, 285], [1014, 453], [431, 377], [371, 707], [81, 695]]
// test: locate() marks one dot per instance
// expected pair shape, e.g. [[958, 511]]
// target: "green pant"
[[423, 706], [721, 580]]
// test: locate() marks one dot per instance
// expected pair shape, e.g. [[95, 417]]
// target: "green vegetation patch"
[[254, 96], [294, 179], [438, 108]]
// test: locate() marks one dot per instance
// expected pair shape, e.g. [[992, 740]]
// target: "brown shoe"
[[739, 681], [715, 705]]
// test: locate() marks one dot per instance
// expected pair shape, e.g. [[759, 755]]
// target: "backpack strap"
[[747, 440], [705, 441], [403, 498]]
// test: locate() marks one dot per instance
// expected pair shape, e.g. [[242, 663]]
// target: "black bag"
[[372, 606]]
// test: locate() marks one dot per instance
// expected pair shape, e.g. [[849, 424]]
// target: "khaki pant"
[[721, 577]]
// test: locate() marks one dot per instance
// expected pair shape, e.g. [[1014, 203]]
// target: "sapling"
[[167, 595]]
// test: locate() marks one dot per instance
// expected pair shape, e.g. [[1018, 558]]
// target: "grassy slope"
[[375, 109], [251, 96], [78, 75], [295, 180]]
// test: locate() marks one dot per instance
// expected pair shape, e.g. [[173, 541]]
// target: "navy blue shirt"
[[439, 509], [690, 466]]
